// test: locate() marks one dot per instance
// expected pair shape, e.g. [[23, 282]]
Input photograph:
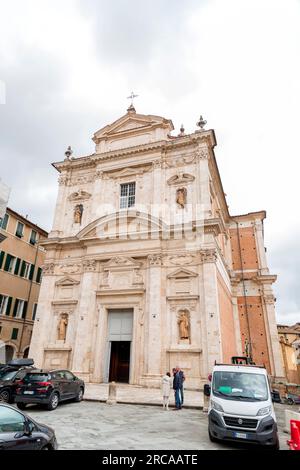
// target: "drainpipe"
[[28, 299]]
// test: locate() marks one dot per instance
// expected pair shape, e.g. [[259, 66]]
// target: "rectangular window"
[[127, 195], [4, 222], [3, 304], [38, 275], [34, 309], [2, 254], [9, 263], [20, 230], [14, 334], [33, 237]]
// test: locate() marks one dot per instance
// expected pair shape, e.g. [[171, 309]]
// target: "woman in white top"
[[166, 389]]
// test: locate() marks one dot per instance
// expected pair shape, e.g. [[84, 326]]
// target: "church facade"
[[146, 269]]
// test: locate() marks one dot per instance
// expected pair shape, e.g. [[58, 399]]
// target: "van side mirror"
[[206, 390]]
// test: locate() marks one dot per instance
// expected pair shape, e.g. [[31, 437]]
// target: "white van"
[[241, 407]]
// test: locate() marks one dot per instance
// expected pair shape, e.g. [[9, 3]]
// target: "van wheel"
[[53, 402], [79, 395], [21, 406], [4, 396], [290, 401]]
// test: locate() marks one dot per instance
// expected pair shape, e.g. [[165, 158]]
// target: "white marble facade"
[[160, 258]]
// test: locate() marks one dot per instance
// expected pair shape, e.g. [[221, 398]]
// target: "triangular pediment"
[[131, 124], [182, 274], [67, 281]]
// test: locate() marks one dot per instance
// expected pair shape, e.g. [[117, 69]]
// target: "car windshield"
[[240, 386], [36, 378], [8, 375]]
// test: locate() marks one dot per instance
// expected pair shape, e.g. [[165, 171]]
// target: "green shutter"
[[15, 307], [7, 262], [24, 310], [39, 275], [2, 254], [8, 306], [14, 334], [17, 266], [31, 272], [23, 267]]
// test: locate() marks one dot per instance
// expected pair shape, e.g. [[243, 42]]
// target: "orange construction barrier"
[[294, 442]]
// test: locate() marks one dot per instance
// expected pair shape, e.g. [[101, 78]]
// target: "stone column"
[[153, 309], [211, 310], [86, 310], [44, 316], [236, 320], [263, 266], [272, 336], [59, 213]]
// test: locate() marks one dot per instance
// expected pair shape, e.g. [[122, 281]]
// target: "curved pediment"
[[122, 224]]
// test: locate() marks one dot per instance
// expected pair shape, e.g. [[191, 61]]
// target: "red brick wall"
[[248, 249], [260, 352], [227, 325]]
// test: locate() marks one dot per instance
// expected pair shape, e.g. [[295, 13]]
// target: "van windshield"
[[240, 386]]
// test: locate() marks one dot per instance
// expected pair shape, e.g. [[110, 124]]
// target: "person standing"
[[166, 389], [177, 386]]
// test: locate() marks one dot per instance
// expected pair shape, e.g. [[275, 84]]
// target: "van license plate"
[[240, 435], [27, 392]]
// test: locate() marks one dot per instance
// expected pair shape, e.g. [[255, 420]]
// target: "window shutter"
[[23, 267], [32, 266], [15, 308], [17, 266], [2, 253], [39, 275], [8, 306], [24, 309], [7, 262]]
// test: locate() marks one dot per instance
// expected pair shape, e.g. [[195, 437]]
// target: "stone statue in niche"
[[181, 196], [62, 327], [78, 213], [184, 324]]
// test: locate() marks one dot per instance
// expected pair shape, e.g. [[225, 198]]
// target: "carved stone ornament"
[[208, 255], [79, 195], [269, 299], [181, 178], [202, 154], [155, 260], [69, 268], [89, 265], [63, 180], [48, 269]]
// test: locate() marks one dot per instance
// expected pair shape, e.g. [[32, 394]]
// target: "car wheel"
[[53, 402], [290, 401], [21, 406], [4, 396], [79, 395]]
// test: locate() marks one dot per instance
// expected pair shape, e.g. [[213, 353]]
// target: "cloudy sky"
[[66, 68]]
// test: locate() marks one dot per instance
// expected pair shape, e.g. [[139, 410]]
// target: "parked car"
[[292, 399], [20, 432], [240, 406], [10, 375], [48, 388]]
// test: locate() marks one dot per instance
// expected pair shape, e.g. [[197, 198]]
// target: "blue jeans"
[[177, 398]]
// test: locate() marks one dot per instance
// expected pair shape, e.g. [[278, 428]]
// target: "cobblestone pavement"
[[92, 425]]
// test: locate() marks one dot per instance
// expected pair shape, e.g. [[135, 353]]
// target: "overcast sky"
[[68, 66]]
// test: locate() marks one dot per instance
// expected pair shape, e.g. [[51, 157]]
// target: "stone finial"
[[181, 131], [201, 123], [68, 152]]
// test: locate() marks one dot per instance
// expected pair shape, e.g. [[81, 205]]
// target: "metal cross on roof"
[[131, 97]]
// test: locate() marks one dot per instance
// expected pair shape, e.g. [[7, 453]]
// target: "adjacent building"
[[21, 260], [289, 337], [146, 268]]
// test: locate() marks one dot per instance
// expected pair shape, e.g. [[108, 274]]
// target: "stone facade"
[[171, 255]]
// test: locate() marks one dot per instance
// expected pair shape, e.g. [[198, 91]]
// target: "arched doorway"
[[26, 353], [9, 353]]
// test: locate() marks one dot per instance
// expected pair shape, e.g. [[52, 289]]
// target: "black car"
[[19, 432], [48, 388], [10, 375]]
